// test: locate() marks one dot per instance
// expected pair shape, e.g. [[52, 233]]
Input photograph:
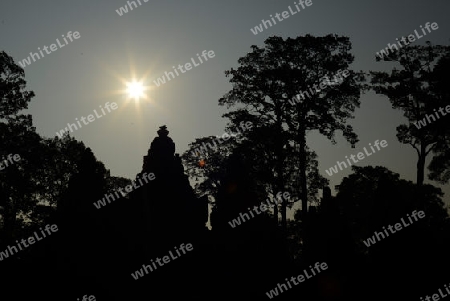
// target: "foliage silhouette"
[[95, 251], [269, 77], [410, 89]]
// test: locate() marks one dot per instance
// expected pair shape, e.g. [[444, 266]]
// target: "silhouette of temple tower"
[[169, 209], [160, 156]]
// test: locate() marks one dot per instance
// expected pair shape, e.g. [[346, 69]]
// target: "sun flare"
[[135, 90]]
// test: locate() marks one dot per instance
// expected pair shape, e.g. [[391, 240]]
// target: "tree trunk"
[[303, 182], [280, 187], [421, 165], [283, 216], [279, 168], [9, 221], [303, 187], [275, 213]]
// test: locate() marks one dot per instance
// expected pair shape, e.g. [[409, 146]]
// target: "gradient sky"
[[147, 41]]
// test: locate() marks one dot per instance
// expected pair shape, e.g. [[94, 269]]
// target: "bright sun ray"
[[135, 89]]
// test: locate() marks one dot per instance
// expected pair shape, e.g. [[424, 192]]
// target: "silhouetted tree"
[[204, 162], [13, 97], [259, 149], [373, 197], [18, 136], [440, 164], [32, 188], [409, 89], [270, 77]]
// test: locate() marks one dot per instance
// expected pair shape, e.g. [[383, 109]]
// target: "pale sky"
[[144, 43]]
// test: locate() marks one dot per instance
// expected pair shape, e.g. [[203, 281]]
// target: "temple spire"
[[160, 155]]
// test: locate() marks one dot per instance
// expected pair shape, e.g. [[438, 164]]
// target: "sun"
[[135, 90]]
